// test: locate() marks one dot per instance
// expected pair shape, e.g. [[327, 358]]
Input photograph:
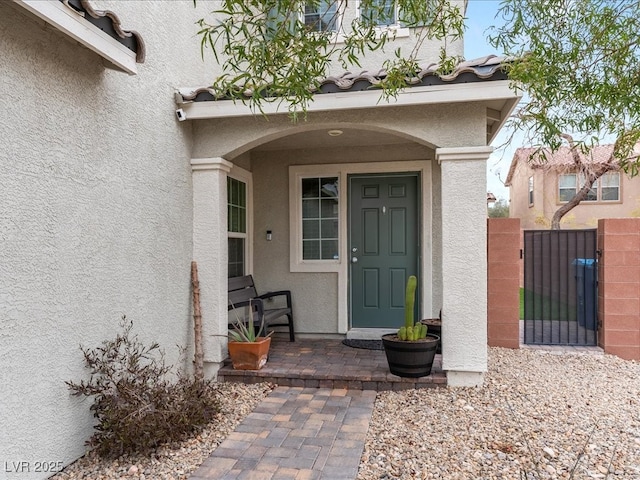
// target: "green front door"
[[384, 247]]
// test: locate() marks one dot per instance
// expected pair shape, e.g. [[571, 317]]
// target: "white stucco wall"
[[433, 125], [210, 252], [436, 258], [464, 264], [315, 295], [95, 215], [405, 40]]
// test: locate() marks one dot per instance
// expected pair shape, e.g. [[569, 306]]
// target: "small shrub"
[[137, 406]]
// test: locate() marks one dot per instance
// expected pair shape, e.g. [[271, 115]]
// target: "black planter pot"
[[410, 358], [434, 327]]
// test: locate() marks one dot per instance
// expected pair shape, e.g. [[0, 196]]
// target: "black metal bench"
[[242, 291]]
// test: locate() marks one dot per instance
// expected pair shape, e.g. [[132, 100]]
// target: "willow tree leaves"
[[578, 65], [280, 50]]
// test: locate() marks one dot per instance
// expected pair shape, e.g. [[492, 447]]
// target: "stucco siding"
[[431, 125], [436, 258], [234, 137], [545, 204], [315, 294], [95, 217], [464, 263], [405, 40]]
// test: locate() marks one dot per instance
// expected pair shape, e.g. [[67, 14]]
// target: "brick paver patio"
[[327, 363]]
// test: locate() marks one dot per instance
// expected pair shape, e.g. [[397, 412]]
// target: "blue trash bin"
[[586, 288]]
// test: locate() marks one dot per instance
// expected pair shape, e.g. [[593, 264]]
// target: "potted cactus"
[[411, 350]]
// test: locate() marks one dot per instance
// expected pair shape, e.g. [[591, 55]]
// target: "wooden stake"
[[197, 325]]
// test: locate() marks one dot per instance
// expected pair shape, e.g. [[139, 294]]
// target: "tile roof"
[[481, 69], [109, 23], [561, 159], [536, 157]]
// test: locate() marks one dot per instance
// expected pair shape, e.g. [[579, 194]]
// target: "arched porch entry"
[[277, 161]]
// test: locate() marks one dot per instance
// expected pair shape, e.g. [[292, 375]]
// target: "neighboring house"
[[538, 187], [115, 176]]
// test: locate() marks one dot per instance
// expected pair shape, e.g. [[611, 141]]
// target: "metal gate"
[[560, 287]]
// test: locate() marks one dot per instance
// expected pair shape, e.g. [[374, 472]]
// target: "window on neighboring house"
[[236, 226], [530, 191], [566, 187], [605, 189], [320, 218], [322, 17], [381, 13], [610, 187], [592, 194]]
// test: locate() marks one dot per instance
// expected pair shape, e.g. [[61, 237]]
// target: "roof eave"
[[74, 23], [509, 107], [424, 95]]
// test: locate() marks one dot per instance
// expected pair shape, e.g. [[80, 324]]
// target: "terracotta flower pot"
[[249, 355]]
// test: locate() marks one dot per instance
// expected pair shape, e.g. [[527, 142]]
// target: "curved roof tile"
[[489, 67], [562, 159], [109, 23]]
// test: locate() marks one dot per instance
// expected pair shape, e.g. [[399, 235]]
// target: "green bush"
[[137, 406], [500, 209]]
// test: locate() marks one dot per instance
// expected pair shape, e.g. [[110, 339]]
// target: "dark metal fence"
[[560, 287]]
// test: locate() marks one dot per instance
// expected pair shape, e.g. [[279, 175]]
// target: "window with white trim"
[[566, 186], [531, 191], [381, 13], [322, 17], [610, 187], [320, 218], [604, 189], [236, 226]]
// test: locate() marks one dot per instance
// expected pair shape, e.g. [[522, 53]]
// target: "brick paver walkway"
[[296, 433]]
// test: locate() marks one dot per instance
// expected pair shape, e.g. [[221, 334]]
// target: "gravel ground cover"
[[539, 416], [175, 461]]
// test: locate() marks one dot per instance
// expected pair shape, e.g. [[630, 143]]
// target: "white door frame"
[[341, 266]]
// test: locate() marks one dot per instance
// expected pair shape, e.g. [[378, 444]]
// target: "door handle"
[[354, 259]]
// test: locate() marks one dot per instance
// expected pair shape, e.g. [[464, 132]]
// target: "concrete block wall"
[[619, 287], [503, 280]]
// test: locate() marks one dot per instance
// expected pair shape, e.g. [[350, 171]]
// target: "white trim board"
[[239, 173], [341, 266], [410, 96], [71, 23]]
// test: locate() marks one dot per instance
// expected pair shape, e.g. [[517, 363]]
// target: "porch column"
[[464, 263], [209, 177]]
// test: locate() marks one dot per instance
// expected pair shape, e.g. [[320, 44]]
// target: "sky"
[[481, 14]]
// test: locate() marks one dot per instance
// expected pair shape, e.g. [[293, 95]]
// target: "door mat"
[[366, 344]]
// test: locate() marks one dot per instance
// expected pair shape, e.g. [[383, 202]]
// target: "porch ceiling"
[[350, 137]]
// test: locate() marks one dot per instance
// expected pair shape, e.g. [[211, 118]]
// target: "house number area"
[[22, 466]]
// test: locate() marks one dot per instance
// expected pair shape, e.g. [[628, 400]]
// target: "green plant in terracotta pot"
[[248, 348], [410, 351]]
